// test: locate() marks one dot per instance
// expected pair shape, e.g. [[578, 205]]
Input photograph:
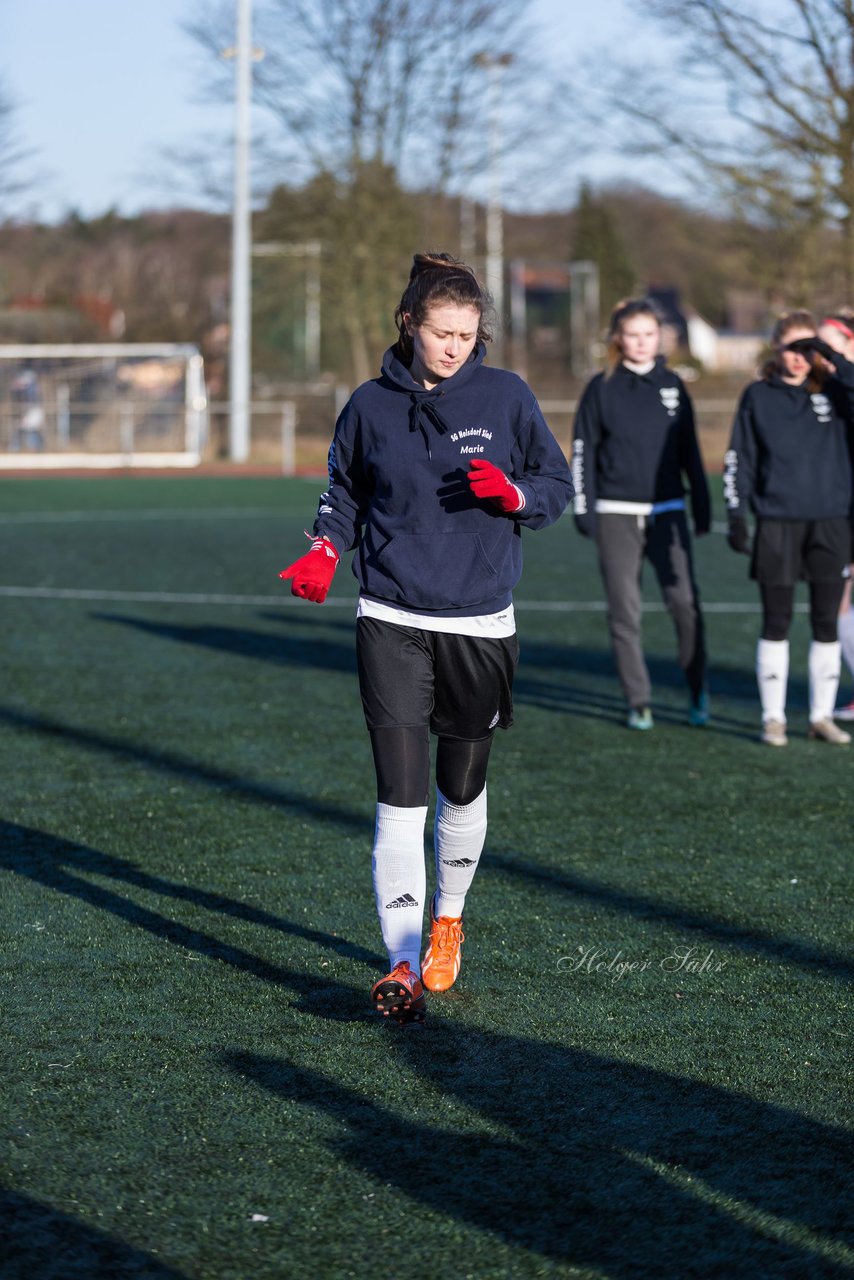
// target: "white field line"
[[286, 601], [280, 601], [158, 513], [144, 513]]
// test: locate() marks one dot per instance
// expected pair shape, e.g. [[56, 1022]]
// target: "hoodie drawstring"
[[423, 408]]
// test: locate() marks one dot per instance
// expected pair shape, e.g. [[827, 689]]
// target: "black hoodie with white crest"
[[789, 456], [635, 440]]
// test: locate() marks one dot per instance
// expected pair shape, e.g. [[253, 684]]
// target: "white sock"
[[459, 833], [846, 638], [824, 665], [400, 881], [772, 674]]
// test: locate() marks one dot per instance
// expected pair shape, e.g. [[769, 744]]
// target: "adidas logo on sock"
[[458, 862], [406, 900]]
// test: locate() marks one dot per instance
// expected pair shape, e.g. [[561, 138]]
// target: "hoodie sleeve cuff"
[[337, 542]]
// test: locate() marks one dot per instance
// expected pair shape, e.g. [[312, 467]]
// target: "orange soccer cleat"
[[400, 995], [441, 962]]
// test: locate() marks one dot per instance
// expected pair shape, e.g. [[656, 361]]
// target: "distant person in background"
[[789, 462], [435, 468], [837, 330], [635, 445], [29, 429]]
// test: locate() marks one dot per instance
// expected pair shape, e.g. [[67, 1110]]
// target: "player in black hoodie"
[[634, 441], [789, 462]]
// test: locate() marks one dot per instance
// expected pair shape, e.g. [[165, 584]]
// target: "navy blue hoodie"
[[398, 492], [634, 440], [789, 456]]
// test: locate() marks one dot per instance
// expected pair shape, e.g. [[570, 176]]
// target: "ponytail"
[[437, 278]]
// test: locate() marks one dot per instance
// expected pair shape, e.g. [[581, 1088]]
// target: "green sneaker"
[[699, 713], [640, 718]]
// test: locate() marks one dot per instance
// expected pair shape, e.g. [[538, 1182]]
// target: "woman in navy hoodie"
[[634, 442], [789, 462], [435, 468]]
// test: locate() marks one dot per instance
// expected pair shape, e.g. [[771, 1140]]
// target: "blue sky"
[[102, 87]]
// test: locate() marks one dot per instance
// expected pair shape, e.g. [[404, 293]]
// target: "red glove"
[[488, 482], [313, 573]]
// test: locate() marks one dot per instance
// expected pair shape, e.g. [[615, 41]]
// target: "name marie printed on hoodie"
[[471, 431]]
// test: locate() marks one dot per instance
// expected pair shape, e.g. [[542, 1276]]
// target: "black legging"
[[778, 606], [402, 762]]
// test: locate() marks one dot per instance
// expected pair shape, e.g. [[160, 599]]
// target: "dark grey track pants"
[[624, 542]]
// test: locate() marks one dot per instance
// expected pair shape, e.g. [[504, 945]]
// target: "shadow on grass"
[[325, 814], [177, 766], [284, 650], [571, 691], [41, 1243], [590, 1161], [585, 684], [308, 616], [832, 964], [63, 866]]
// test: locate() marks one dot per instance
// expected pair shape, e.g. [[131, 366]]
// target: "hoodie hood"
[[425, 408], [654, 375], [794, 389]]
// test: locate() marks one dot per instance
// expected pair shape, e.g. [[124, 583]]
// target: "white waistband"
[[614, 507], [489, 626]]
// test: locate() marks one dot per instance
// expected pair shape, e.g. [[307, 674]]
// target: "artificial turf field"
[[193, 1082]]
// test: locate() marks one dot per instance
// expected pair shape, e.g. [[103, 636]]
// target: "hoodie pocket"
[[431, 571]]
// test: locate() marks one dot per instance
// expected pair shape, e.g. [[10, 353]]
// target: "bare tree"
[[375, 98], [756, 100], [393, 82], [13, 155]]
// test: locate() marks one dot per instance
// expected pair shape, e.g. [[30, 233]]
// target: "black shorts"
[[461, 686], [788, 551]]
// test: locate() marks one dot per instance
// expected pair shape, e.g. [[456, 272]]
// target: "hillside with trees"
[[378, 131], [163, 276]]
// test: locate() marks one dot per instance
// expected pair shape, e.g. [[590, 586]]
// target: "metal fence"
[[291, 434]]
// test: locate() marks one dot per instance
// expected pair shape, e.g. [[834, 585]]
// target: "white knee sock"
[[459, 833], [824, 665], [846, 638], [772, 674], [400, 881]]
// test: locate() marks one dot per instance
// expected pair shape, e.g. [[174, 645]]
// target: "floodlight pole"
[[241, 320], [494, 65]]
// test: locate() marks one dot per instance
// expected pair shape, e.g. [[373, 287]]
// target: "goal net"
[[101, 405]]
